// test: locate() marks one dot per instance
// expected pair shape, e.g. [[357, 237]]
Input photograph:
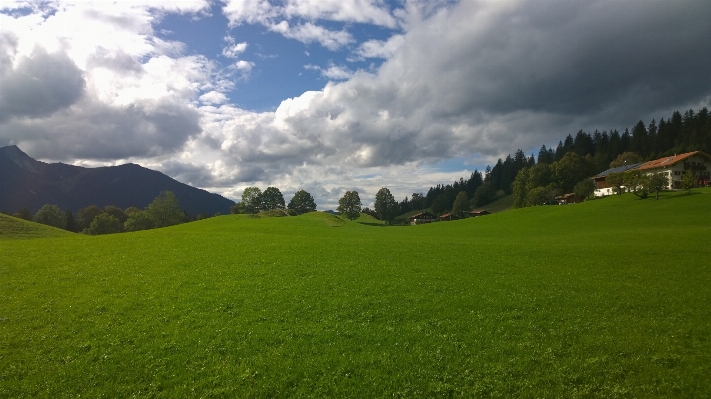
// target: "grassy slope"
[[503, 203], [12, 228], [605, 298]]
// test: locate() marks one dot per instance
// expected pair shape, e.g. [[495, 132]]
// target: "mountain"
[[26, 182]]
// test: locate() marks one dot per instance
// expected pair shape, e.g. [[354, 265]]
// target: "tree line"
[[164, 211], [272, 200], [568, 167]]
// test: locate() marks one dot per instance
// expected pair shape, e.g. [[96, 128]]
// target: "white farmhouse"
[[674, 167]]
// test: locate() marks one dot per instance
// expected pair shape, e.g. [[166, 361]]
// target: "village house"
[[674, 167], [422, 217], [601, 187], [479, 212], [448, 217], [569, 198]]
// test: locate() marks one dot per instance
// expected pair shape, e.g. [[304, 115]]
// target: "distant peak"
[[12, 148], [13, 151], [15, 154]]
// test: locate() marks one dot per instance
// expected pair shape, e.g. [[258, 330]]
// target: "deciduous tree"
[[461, 204], [86, 215], [540, 196], [51, 215], [626, 158], [104, 224], [116, 212], [520, 187], [302, 202], [349, 205], [272, 199], [688, 181], [165, 210], [584, 188], [571, 169], [440, 204], [131, 210], [637, 182], [484, 194], [252, 199], [385, 205], [616, 180], [657, 183], [236, 209], [140, 220]]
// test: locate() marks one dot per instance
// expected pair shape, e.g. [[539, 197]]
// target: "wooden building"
[[569, 198], [422, 217], [448, 216], [479, 212]]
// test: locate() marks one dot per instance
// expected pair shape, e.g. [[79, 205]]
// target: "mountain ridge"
[[28, 183]]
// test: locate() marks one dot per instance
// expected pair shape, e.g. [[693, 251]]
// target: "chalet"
[[422, 217], [674, 167], [569, 198], [479, 212], [448, 216]]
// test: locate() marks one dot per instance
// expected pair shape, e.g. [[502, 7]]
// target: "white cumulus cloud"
[[309, 33], [233, 51], [278, 17]]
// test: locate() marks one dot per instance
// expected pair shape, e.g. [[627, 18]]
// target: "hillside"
[[607, 298], [15, 229], [503, 203], [26, 182]]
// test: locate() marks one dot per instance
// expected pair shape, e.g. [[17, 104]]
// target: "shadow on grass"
[[382, 224], [373, 224], [676, 194]]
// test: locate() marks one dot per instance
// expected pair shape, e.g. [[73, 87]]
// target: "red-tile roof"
[[668, 161]]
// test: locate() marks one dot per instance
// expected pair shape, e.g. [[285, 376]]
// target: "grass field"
[[504, 203], [608, 298]]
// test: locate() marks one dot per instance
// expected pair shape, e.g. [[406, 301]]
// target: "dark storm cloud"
[[40, 85], [582, 57], [490, 77]]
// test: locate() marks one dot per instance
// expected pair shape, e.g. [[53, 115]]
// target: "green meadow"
[[608, 298]]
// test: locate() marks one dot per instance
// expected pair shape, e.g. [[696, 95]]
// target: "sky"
[[336, 95]]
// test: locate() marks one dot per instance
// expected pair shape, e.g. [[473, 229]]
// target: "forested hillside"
[[593, 153]]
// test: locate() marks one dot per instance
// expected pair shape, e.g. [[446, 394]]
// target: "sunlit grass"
[[606, 298], [12, 228]]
